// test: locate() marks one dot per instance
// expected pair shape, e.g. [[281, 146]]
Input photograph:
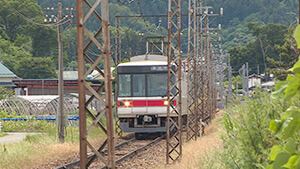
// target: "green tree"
[[11, 55], [288, 54], [11, 23], [36, 68], [22, 39], [267, 37], [44, 41]]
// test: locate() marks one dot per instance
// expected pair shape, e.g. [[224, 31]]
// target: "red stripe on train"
[[143, 103]]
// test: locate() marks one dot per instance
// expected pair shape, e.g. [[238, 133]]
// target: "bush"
[[245, 134]]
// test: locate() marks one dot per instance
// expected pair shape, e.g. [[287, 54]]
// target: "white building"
[[254, 81]]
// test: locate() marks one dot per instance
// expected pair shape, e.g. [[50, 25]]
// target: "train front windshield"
[[142, 85]]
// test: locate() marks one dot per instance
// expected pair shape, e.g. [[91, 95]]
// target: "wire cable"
[[145, 22], [31, 21], [126, 3]]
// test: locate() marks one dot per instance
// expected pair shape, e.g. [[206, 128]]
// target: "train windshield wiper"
[[164, 95]]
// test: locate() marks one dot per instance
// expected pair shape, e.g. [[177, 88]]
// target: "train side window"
[[138, 85], [124, 85]]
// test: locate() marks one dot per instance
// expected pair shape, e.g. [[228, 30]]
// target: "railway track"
[[123, 151]]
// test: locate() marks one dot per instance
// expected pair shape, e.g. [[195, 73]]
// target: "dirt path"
[[14, 137], [196, 152]]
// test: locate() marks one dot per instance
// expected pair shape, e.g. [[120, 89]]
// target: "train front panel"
[[142, 96]]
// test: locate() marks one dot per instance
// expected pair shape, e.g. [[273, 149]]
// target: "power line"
[[125, 2], [141, 13], [31, 21]]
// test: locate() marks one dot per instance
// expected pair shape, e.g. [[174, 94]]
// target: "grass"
[[2, 134], [37, 150]]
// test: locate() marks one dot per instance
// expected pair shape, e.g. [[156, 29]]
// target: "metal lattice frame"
[[104, 54], [192, 77], [174, 124], [118, 129], [206, 70], [155, 45], [203, 71]]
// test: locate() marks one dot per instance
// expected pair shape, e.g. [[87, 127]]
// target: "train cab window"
[[157, 84], [124, 85], [138, 85]]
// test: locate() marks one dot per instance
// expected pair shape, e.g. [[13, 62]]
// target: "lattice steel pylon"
[[192, 77], [202, 68], [174, 119], [104, 54], [118, 129]]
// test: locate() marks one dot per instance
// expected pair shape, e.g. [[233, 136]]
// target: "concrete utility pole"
[[236, 88], [61, 114], [244, 79], [58, 19], [247, 79], [229, 77]]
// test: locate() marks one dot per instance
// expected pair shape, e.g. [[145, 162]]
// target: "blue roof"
[[5, 72], [7, 84]]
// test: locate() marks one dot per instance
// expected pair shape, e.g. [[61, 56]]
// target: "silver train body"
[[142, 94]]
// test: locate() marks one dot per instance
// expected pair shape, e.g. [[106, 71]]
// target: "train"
[[142, 94]]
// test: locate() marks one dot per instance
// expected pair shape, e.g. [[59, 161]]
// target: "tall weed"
[[245, 134]]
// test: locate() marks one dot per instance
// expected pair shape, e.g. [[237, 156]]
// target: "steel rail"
[[138, 150]]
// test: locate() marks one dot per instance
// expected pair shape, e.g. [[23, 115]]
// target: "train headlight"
[[127, 103], [166, 102]]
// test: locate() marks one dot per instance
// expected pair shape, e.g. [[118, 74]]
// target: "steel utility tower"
[[192, 77], [174, 124], [103, 47]]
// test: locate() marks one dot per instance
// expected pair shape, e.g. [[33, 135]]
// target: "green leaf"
[[269, 166], [297, 35], [280, 89], [291, 112], [293, 163], [290, 147], [275, 125], [296, 67], [292, 88], [290, 126], [274, 152], [280, 160]]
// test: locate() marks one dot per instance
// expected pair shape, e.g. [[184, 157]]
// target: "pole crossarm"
[[104, 56], [174, 122]]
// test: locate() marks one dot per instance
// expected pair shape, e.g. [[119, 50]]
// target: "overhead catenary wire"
[[141, 14], [30, 20], [125, 2]]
